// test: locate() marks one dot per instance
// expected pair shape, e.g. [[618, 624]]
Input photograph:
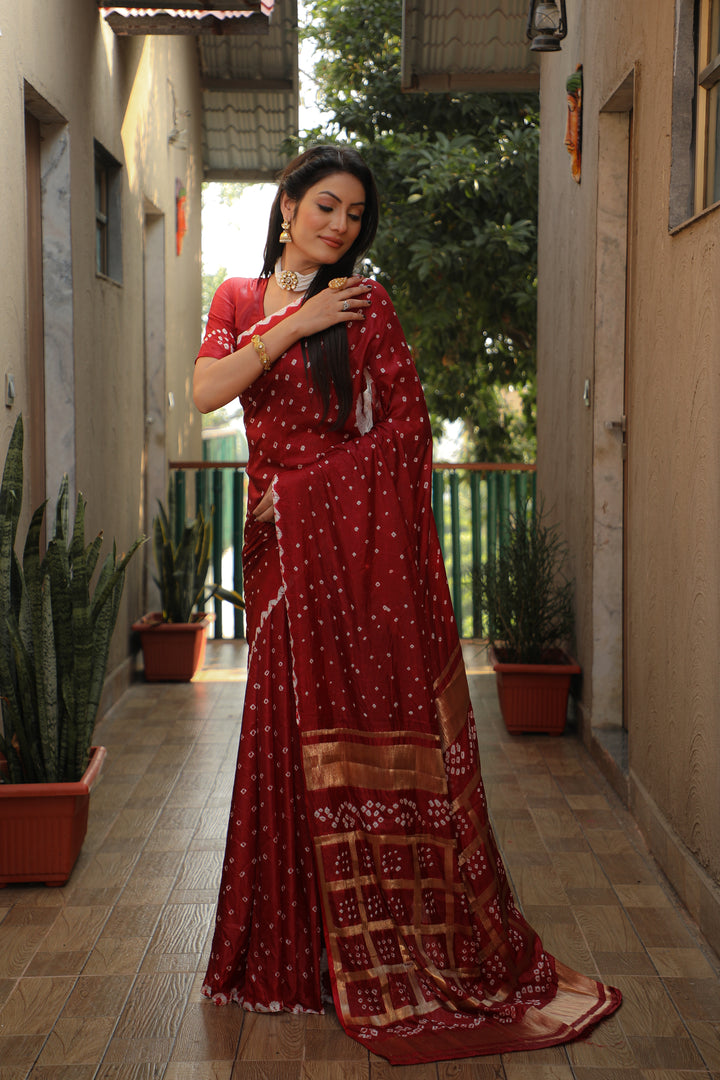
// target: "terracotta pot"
[[42, 826], [173, 652], [534, 697]]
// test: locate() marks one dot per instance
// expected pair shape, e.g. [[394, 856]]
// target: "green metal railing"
[[472, 504], [212, 493]]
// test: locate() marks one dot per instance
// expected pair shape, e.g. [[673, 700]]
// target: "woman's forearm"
[[219, 380]]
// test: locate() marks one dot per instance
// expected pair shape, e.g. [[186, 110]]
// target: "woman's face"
[[325, 222]]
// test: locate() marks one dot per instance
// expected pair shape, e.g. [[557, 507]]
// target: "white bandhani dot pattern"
[[358, 803]]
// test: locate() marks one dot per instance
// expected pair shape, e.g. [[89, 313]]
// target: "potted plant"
[[529, 604], [55, 633], [173, 640]]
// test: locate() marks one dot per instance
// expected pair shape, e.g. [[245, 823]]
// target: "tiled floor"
[[101, 979]]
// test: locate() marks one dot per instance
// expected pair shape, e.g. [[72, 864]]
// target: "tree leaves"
[[457, 176]]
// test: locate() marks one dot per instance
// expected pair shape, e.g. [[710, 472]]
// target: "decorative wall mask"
[[573, 131], [180, 214]]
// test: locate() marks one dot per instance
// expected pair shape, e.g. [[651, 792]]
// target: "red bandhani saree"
[[358, 818]]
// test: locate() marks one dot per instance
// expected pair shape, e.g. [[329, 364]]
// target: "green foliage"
[[528, 599], [210, 284], [457, 175], [55, 633], [225, 194], [230, 191], [182, 568]]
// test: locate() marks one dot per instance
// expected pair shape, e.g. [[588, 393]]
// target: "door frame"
[[154, 462], [55, 298], [611, 409], [35, 317]]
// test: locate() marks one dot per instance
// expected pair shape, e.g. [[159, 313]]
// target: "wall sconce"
[[546, 25]]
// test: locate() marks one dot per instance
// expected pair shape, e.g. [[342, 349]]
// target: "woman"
[[358, 820]]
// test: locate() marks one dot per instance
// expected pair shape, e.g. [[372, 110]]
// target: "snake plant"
[[55, 632], [528, 599], [183, 567]]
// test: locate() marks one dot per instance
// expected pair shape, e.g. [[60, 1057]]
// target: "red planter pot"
[[173, 652], [42, 826], [534, 697]]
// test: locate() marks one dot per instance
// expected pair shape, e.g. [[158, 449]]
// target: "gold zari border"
[[355, 765], [453, 702]]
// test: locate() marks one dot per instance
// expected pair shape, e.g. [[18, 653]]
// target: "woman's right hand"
[[332, 306], [217, 380], [265, 509]]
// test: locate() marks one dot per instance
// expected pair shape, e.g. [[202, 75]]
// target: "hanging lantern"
[[547, 25]]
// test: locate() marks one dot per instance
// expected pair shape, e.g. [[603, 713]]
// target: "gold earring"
[[285, 237]]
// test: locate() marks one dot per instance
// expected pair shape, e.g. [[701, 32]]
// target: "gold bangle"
[[259, 346]]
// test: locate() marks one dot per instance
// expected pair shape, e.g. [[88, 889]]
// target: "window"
[[695, 166], [707, 160], [108, 181]]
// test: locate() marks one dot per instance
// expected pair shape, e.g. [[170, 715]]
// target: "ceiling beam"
[[229, 86], [480, 81], [254, 176]]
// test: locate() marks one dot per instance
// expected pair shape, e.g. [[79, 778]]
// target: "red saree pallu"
[[359, 810]]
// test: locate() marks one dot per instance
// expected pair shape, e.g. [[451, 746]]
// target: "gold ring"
[[337, 283]]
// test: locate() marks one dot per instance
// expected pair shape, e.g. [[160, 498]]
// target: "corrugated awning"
[[248, 61], [246, 17], [467, 45], [192, 7], [250, 98]]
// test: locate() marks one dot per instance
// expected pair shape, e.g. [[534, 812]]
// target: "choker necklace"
[[290, 280]]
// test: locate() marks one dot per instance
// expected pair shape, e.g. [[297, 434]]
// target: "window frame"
[[707, 121], [107, 186]]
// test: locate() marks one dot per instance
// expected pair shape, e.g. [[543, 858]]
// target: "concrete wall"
[[600, 242], [65, 65]]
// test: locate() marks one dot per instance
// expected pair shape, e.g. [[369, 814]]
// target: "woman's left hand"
[[265, 509]]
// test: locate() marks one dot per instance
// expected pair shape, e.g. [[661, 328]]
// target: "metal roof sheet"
[[248, 76], [467, 45], [181, 19], [250, 98], [191, 7]]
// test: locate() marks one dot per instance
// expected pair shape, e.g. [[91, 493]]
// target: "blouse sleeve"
[[236, 313], [220, 332]]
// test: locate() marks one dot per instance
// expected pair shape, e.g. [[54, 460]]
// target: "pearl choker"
[[290, 280]]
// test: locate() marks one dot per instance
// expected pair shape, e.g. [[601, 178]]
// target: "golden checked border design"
[[350, 758]]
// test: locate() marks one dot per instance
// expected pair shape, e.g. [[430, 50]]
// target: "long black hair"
[[326, 352]]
